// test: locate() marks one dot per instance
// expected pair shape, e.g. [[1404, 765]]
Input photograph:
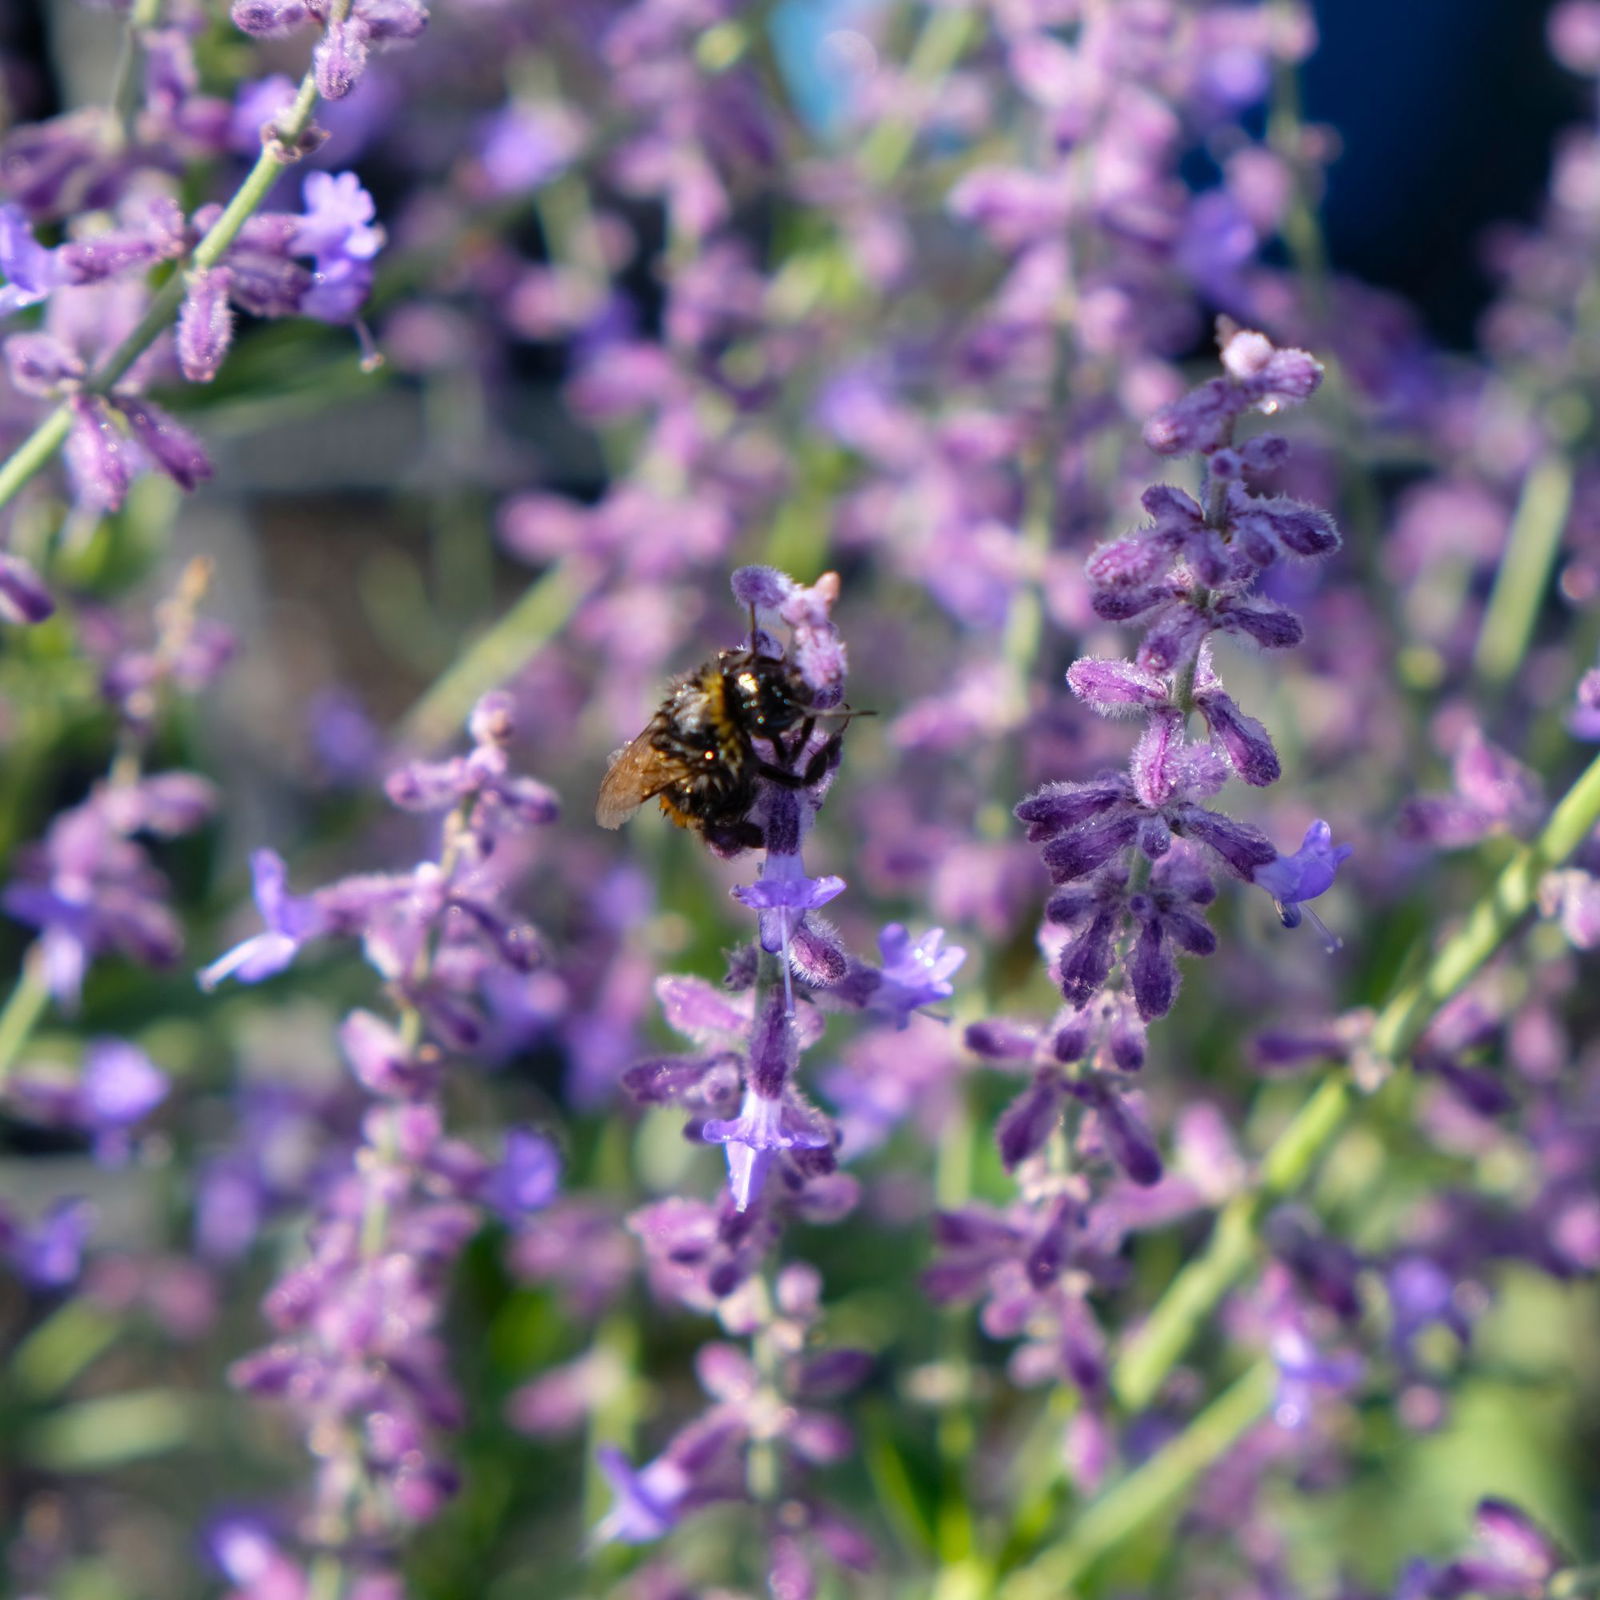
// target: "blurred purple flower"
[[1304, 1372], [291, 921], [48, 1254], [527, 1179], [30, 271]]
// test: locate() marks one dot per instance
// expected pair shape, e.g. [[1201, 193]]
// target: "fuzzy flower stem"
[[30, 997], [1524, 575], [1288, 1162], [1216, 517], [1147, 1491], [375, 1215], [35, 452], [763, 1476]]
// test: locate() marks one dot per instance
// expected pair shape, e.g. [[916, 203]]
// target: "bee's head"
[[769, 694]]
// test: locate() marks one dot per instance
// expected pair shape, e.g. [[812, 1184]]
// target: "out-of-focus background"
[[362, 546]]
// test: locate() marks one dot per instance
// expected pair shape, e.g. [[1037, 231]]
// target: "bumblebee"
[[698, 754]]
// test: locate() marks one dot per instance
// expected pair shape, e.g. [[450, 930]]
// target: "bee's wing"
[[638, 772]]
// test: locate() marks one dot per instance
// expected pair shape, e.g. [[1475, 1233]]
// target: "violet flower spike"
[[1309, 872]]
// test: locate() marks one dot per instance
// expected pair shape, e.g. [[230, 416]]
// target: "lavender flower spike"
[[291, 920], [772, 1116], [1309, 872]]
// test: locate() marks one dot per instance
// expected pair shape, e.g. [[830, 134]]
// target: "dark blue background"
[[1446, 110]]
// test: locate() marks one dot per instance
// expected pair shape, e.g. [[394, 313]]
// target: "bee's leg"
[[788, 750], [825, 756], [729, 838]]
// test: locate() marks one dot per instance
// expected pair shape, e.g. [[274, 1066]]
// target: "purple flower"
[[167, 442], [647, 1500], [817, 651], [340, 56], [1261, 377], [1514, 1553], [783, 894], [49, 1254], [1307, 873], [915, 972], [1421, 1294], [523, 146], [527, 1179], [121, 1084], [695, 1468], [256, 105], [337, 223], [246, 1552], [30, 270], [205, 324], [89, 888], [291, 920], [23, 596], [763, 1127], [337, 230], [1303, 1373], [98, 456]]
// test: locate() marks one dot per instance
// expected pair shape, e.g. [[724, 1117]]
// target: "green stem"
[[23, 1009], [1574, 1581], [33, 454], [1147, 1491], [943, 41], [124, 97], [498, 654], [1153, 1352], [1524, 575], [327, 1577]]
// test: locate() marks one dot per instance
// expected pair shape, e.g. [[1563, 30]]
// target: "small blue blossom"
[[291, 921], [120, 1086], [1307, 873], [49, 1255], [782, 895], [337, 229], [337, 224], [647, 1498], [764, 1127], [30, 270], [916, 972], [527, 1179]]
